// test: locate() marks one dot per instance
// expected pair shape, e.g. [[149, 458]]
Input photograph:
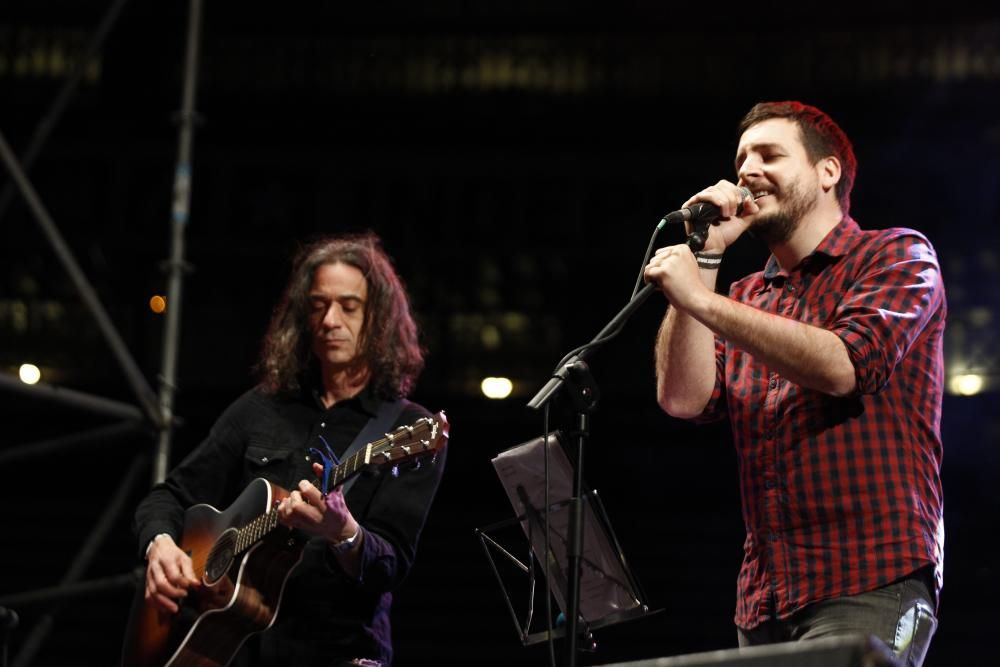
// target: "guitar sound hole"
[[220, 558]]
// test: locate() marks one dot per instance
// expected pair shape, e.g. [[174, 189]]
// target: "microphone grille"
[[745, 194]]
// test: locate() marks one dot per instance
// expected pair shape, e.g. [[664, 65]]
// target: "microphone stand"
[[8, 622], [576, 374]]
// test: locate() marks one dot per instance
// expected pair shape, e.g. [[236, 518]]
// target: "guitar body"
[[243, 557], [239, 595]]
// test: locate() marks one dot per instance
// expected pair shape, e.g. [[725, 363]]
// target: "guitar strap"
[[376, 428]]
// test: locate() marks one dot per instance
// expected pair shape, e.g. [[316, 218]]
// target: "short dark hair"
[[821, 137], [389, 336]]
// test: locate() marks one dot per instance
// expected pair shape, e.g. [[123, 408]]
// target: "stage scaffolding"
[[154, 411]]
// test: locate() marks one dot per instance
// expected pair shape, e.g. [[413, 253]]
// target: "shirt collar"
[[837, 243], [365, 401]]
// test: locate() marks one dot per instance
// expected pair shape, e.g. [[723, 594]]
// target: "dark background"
[[515, 158]]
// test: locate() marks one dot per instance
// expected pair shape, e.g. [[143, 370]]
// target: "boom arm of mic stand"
[[553, 385], [695, 240]]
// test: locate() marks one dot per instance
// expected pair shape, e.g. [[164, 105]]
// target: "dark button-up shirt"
[[325, 615], [840, 495]]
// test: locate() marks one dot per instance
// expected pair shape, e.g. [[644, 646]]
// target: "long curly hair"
[[389, 341]]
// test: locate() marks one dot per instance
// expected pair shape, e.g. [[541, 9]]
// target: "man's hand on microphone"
[[675, 272], [733, 203]]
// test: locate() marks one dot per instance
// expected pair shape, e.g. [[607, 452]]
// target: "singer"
[[829, 366]]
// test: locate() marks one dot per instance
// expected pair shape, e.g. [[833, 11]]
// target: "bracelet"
[[348, 544], [707, 260]]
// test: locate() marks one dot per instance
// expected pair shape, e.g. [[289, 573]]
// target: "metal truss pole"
[[98, 437], [85, 557], [48, 121], [176, 265], [147, 400]]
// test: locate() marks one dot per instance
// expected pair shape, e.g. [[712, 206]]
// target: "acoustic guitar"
[[243, 557]]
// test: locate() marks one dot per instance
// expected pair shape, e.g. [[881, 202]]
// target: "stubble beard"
[[777, 227]]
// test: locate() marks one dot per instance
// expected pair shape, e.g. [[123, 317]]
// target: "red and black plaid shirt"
[[840, 495]]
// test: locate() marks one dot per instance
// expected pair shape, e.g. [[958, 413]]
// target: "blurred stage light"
[[157, 304], [967, 384], [490, 336], [29, 373], [496, 388]]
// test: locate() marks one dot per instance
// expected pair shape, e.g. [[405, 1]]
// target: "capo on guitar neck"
[[329, 460]]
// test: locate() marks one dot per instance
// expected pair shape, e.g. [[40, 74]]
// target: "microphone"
[[703, 211]]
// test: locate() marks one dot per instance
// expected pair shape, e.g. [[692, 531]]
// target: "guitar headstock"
[[424, 438]]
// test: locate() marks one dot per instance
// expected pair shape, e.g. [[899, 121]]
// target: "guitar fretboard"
[[410, 438], [256, 530]]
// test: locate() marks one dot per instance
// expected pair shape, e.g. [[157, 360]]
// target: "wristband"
[[707, 260]]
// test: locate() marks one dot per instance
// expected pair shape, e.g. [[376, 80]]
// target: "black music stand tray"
[[609, 593]]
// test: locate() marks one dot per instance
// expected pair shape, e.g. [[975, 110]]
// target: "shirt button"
[[263, 459], [322, 424], [769, 484], [773, 383], [770, 435]]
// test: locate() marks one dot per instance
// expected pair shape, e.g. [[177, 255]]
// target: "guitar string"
[[262, 525]]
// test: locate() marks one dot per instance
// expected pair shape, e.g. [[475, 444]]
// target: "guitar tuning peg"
[[395, 471]]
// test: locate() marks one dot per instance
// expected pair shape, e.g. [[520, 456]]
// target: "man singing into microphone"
[[829, 366]]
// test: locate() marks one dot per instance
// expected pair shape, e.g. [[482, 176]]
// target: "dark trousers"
[[900, 614]]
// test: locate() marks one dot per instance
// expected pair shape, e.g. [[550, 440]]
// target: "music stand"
[[609, 593]]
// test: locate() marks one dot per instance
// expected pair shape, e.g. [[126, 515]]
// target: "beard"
[[778, 227]]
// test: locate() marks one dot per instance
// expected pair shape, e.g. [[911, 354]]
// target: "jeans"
[[900, 614]]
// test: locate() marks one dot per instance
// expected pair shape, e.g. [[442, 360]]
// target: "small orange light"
[[157, 304]]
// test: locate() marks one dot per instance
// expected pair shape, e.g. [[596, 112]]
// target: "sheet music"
[[604, 587]]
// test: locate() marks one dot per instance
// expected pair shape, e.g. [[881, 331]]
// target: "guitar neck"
[[424, 437], [263, 524], [350, 466], [256, 530]]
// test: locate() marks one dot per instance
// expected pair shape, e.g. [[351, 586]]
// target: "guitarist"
[[340, 355]]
